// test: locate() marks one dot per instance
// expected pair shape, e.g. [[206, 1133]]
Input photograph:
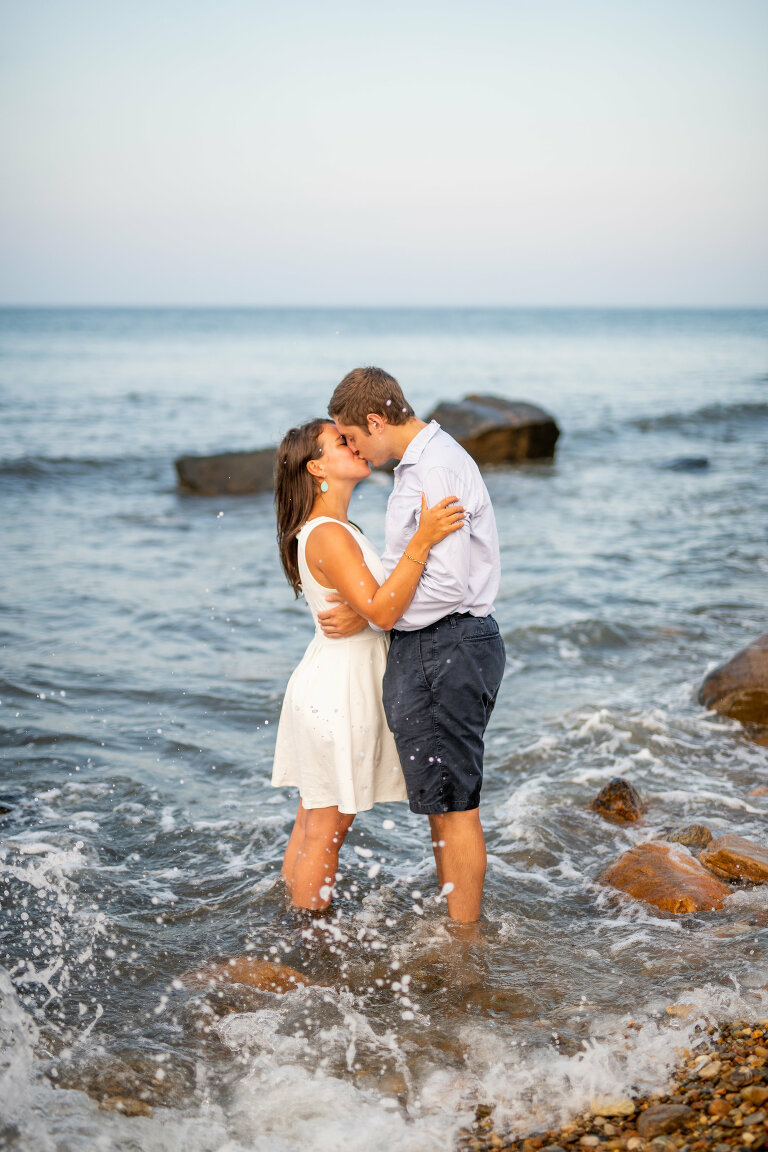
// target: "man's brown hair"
[[369, 390]]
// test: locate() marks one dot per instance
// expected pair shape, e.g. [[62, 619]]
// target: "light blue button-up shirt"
[[463, 570]]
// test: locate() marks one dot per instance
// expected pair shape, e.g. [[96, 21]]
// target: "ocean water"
[[146, 641]]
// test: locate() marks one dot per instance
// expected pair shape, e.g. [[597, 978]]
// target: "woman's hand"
[[440, 520]]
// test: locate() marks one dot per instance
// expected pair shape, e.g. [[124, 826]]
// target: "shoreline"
[[717, 1100]]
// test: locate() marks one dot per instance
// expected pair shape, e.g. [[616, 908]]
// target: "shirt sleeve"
[[446, 579]]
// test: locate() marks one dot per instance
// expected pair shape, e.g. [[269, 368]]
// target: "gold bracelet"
[[422, 562]]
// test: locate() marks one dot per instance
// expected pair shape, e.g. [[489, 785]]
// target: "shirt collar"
[[414, 450]]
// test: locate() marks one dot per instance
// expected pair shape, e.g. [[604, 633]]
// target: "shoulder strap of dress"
[[307, 527]]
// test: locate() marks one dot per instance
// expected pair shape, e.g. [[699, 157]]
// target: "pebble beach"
[[715, 1102]]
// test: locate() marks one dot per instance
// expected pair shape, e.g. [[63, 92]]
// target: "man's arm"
[[445, 582], [341, 621]]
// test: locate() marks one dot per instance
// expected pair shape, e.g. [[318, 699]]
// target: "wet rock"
[[228, 473], [666, 876], [693, 836], [498, 431], [131, 1081], [662, 1144], [739, 687], [259, 974], [128, 1105], [9, 1135], [737, 858], [755, 1094], [613, 1106], [681, 1011], [661, 1118], [741, 1077], [710, 1070], [618, 802]]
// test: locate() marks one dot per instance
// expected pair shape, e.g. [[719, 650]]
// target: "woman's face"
[[338, 460]]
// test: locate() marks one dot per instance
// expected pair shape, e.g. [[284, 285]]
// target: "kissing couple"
[[392, 696]]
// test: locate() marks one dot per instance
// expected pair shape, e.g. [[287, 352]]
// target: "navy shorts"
[[439, 690]]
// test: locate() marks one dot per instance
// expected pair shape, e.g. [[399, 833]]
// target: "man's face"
[[369, 443]]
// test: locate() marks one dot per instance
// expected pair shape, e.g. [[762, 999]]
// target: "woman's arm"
[[333, 555]]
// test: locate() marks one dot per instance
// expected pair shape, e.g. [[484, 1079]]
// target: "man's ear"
[[376, 422]]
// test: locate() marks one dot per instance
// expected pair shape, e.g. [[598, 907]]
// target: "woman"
[[333, 743]]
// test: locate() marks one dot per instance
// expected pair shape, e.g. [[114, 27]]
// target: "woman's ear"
[[315, 468]]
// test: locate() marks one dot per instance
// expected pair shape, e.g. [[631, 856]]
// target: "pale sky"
[[519, 152]]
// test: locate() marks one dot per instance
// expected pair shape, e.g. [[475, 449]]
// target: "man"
[[446, 657]]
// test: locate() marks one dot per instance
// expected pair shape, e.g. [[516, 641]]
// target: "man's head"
[[369, 409]]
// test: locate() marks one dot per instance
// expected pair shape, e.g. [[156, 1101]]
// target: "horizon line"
[[59, 306]]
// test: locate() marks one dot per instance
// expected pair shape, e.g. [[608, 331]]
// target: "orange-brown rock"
[[618, 802], [737, 858], [667, 876], [261, 974], [739, 688]]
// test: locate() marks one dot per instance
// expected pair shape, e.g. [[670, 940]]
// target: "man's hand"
[[341, 621]]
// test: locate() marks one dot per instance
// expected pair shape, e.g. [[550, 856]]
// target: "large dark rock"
[[228, 474], [493, 431], [739, 688], [498, 431]]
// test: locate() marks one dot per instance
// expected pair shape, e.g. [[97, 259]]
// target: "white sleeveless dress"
[[333, 743]]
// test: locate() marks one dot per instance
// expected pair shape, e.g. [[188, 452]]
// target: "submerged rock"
[[739, 687], [737, 858], [666, 876], [498, 431], [131, 1082], [228, 473], [260, 974], [618, 802], [687, 464]]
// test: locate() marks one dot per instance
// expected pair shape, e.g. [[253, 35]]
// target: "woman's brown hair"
[[295, 492]]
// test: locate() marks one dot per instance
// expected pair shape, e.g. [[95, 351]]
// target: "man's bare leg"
[[437, 849], [317, 859], [459, 847]]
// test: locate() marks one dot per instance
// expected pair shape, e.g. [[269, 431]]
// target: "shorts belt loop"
[[452, 619]]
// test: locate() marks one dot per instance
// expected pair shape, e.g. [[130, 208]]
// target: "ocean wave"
[[711, 415], [44, 467]]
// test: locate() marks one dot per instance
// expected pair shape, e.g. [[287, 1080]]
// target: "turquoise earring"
[[324, 486]]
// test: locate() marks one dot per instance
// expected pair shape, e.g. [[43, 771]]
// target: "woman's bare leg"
[[317, 859], [293, 846]]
